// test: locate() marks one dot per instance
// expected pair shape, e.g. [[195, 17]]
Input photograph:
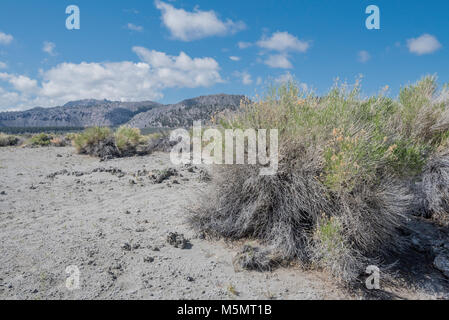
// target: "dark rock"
[[57, 173], [163, 175], [178, 241], [204, 176]]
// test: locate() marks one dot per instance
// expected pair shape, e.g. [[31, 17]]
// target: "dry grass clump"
[[7, 140], [435, 188], [254, 258], [345, 169]]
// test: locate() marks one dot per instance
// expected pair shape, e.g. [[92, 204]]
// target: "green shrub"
[[41, 140], [8, 140], [71, 136], [104, 143], [127, 139], [96, 141], [345, 170]]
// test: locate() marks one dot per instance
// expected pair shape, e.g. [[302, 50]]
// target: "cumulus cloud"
[[123, 81], [5, 38], [244, 45], [133, 27], [181, 71], [20, 82], [234, 58], [188, 26], [288, 77], [424, 44], [363, 56], [278, 61], [245, 77], [49, 47], [283, 42]]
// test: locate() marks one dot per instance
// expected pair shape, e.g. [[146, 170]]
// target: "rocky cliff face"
[[184, 113], [87, 113]]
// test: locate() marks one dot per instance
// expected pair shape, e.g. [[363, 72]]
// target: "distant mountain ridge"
[[91, 112], [183, 114]]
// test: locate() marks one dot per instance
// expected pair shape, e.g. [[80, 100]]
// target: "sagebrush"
[[124, 142], [346, 167], [7, 140]]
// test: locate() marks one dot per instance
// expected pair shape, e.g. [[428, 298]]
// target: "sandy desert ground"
[[111, 221]]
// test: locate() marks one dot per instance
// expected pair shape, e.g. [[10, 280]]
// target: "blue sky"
[[171, 50]]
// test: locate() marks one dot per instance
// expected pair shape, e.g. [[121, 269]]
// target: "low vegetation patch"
[[350, 170], [46, 140], [96, 141], [7, 140], [128, 139], [41, 140], [124, 142]]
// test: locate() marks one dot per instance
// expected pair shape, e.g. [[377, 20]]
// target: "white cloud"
[[234, 58], [424, 44], [49, 47], [188, 26], [20, 82], [283, 42], [259, 81], [244, 45], [363, 56], [5, 38], [3, 65], [244, 76], [278, 61], [133, 27], [181, 71], [286, 77], [123, 81]]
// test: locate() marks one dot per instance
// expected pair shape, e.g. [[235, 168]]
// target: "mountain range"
[[144, 114]]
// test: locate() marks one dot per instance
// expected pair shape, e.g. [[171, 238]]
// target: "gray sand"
[[114, 231]]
